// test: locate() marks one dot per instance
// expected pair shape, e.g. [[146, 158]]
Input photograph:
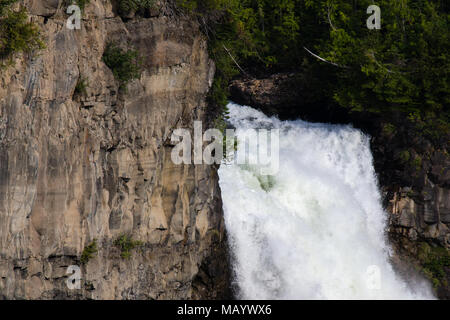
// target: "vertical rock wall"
[[78, 167]]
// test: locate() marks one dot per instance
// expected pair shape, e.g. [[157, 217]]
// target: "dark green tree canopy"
[[403, 67]]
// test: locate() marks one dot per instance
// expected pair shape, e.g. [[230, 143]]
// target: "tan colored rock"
[[95, 166]]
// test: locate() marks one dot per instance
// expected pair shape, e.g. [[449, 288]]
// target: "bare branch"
[[234, 59], [324, 60], [329, 17]]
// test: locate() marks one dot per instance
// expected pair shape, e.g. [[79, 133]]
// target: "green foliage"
[[81, 86], [126, 244], [230, 42], [5, 5], [417, 162], [404, 156], [127, 6], [16, 33], [82, 3], [430, 125], [256, 37], [262, 33], [89, 251], [402, 68], [187, 5], [125, 64], [433, 261], [389, 129]]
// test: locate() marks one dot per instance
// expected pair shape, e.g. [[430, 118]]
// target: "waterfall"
[[316, 228]]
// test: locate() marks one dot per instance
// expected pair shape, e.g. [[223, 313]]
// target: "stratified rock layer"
[[75, 167]]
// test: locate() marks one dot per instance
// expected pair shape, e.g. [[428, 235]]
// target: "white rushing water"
[[315, 229]]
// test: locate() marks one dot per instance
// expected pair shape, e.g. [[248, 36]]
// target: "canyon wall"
[[75, 167]]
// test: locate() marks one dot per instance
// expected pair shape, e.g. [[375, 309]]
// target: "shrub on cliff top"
[[16, 33], [125, 64]]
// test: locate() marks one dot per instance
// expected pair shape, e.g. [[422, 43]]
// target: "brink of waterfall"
[[316, 228]]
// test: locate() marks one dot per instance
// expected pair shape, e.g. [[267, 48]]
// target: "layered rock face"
[[78, 167], [423, 210]]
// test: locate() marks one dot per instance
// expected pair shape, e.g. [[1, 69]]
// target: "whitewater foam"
[[315, 229]]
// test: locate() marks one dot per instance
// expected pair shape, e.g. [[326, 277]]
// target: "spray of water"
[[316, 228]]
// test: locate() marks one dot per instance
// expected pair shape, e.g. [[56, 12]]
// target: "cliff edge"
[[88, 174]]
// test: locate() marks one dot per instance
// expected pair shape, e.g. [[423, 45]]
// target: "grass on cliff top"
[[126, 65], [16, 33]]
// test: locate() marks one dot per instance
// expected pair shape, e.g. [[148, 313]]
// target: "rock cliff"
[[75, 167]]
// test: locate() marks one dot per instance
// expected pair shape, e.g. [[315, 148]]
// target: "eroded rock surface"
[[76, 167]]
